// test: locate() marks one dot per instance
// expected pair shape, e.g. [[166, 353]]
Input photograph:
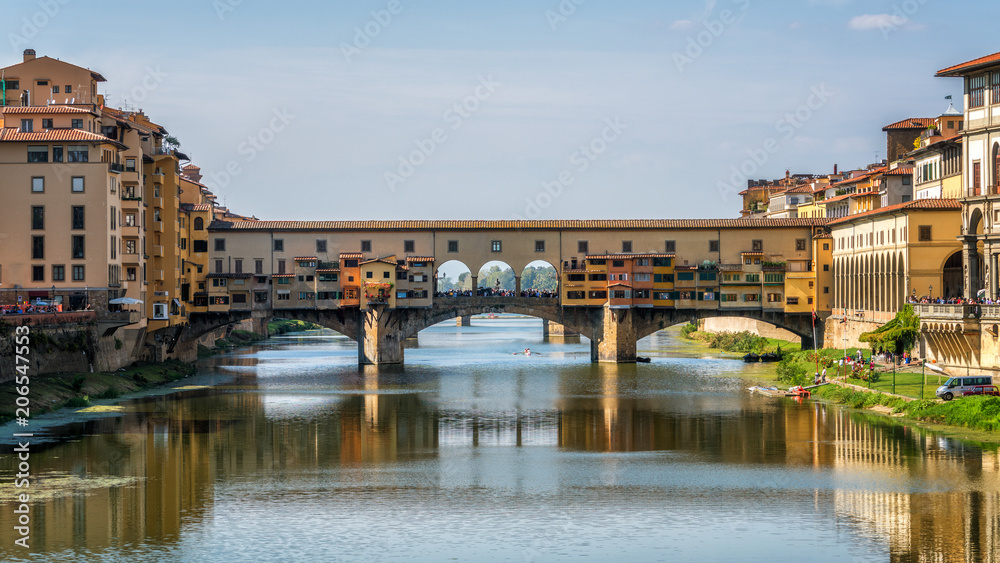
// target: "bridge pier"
[[380, 341], [615, 340], [550, 328], [464, 320]]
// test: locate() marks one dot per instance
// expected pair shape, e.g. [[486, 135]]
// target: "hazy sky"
[[394, 109]]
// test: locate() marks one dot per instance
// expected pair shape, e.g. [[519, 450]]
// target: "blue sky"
[[566, 110]]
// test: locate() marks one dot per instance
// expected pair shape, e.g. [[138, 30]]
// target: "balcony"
[[951, 312], [158, 251], [116, 167], [130, 231], [158, 226], [158, 202]]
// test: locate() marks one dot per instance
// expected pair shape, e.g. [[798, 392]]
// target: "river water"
[[290, 452]]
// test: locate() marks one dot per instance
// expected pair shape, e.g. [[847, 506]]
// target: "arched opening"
[[975, 270], [199, 224], [496, 278], [952, 277], [539, 279], [451, 278], [996, 167]]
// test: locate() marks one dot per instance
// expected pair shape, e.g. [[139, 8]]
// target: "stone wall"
[[740, 324], [837, 329]]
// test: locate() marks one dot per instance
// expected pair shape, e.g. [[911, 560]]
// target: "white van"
[[957, 386]]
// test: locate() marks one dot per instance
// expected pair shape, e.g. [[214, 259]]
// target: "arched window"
[[199, 224], [996, 167]]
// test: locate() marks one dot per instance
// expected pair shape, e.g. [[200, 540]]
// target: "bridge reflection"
[[150, 474]]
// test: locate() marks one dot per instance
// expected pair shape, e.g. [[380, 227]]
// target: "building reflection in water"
[[144, 476]]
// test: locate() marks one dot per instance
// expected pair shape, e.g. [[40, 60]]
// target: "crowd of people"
[[951, 301], [30, 309], [487, 292]]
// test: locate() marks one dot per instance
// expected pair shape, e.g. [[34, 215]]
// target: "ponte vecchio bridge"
[[619, 281]]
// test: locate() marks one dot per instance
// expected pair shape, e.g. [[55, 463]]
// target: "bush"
[[743, 342], [790, 372], [687, 329], [77, 402], [118, 344], [109, 393], [78, 382]]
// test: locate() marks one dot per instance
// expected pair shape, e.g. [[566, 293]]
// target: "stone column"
[[381, 340], [517, 286], [991, 273], [475, 284], [550, 328], [615, 341], [970, 255], [464, 320]]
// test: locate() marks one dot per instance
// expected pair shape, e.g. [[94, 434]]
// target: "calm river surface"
[[290, 452]]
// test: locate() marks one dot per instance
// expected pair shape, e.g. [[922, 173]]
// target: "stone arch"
[[199, 224], [503, 267], [951, 271], [644, 328], [454, 263], [975, 225], [900, 279], [522, 285], [342, 321], [996, 166]]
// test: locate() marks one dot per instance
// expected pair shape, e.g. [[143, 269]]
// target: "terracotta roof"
[[13, 134], [916, 205], [629, 256], [823, 236], [861, 178], [960, 69], [196, 206], [283, 276], [730, 267], [382, 260], [751, 253], [911, 123], [419, 258], [46, 109], [327, 270], [300, 258], [620, 284], [613, 224], [836, 199], [899, 172], [347, 255]]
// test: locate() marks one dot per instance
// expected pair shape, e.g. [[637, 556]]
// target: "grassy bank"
[[283, 326], [976, 413], [55, 391]]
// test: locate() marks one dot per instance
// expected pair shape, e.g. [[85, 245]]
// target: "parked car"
[[960, 386], [983, 390]]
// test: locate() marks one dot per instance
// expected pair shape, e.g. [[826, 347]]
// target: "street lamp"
[[930, 291]]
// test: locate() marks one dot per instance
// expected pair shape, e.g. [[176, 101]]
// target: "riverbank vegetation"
[[55, 391], [284, 326], [977, 413]]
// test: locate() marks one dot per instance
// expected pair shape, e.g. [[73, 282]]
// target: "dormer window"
[[46, 123], [77, 124], [27, 125]]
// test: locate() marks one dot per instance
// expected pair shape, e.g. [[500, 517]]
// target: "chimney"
[[29, 55], [834, 169]]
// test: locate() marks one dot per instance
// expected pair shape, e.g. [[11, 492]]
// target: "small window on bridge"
[[496, 246], [366, 246], [583, 247], [452, 246], [576, 295], [409, 246], [539, 246], [626, 246], [671, 246]]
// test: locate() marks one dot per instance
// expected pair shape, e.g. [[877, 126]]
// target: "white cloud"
[[795, 25], [867, 22], [680, 25]]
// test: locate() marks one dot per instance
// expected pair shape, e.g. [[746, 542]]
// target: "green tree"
[[896, 336]]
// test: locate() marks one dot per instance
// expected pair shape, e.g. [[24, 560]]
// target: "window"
[[626, 246], [238, 266], [37, 217], [199, 224], [58, 273], [77, 247], [199, 246], [617, 263], [218, 266], [452, 246], [76, 124], [366, 246], [800, 244], [539, 246], [598, 294], [130, 165], [130, 247], [57, 153], [38, 248], [826, 246], [924, 234], [661, 262], [670, 246], [13, 85], [28, 126], [409, 246], [385, 274], [38, 154], [642, 277], [77, 217], [320, 246], [576, 295], [706, 276], [774, 298], [219, 282], [76, 184], [496, 246], [792, 301], [279, 245], [977, 91], [284, 296], [598, 277], [46, 123], [220, 245], [369, 275], [713, 246], [258, 266], [730, 297], [751, 297], [826, 267], [583, 247], [685, 276], [753, 278], [995, 90], [774, 278], [240, 298], [327, 277], [78, 153], [38, 273], [758, 246], [78, 273]]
